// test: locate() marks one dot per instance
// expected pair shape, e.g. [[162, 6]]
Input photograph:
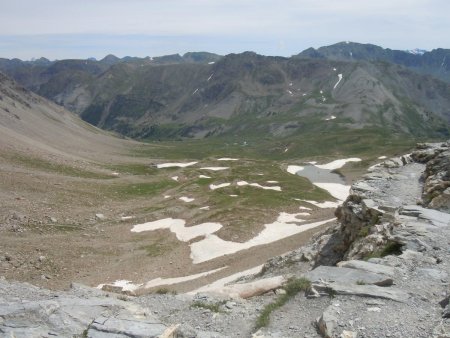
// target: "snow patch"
[[227, 159], [178, 227], [332, 117], [337, 190], [294, 169], [212, 246], [204, 208], [211, 63], [382, 157], [214, 168], [203, 176], [210, 77], [126, 285], [224, 281], [257, 185], [323, 205], [186, 199], [175, 178], [167, 196], [195, 91], [337, 163], [272, 182], [339, 80], [218, 186], [172, 165], [176, 280]]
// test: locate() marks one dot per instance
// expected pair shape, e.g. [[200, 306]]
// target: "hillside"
[[32, 124], [435, 62], [200, 95], [249, 94]]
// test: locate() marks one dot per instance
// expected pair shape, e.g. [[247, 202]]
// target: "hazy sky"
[[60, 29]]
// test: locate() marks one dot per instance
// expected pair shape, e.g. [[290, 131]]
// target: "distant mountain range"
[[436, 62], [345, 86]]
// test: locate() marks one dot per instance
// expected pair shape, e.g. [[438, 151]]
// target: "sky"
[[61, 29]]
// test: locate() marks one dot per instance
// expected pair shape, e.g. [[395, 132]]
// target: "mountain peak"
[[416, 51], [110, 59]]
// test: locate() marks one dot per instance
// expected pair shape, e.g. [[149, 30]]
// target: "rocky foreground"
[[382, 271]]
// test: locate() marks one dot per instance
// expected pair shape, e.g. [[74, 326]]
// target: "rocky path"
[[401, 186], [390, 277]]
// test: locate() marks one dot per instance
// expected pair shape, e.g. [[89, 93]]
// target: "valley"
[[209, 169]]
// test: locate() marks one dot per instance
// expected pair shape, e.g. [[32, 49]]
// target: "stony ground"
[[401, 293]]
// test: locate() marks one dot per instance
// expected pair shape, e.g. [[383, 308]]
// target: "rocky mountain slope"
[[32, 124], [391, 278], [202, 95], [435, 62]]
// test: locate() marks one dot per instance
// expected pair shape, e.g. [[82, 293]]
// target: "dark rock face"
[[436, 192]]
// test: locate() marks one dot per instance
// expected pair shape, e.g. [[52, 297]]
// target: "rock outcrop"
[[28, 311], [436, 177]]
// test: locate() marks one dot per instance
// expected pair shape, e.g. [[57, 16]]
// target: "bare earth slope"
[[33, 124]]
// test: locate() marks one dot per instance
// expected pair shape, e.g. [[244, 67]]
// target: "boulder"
[[327, 322], [368, 267], [347, 276], [363, 291]]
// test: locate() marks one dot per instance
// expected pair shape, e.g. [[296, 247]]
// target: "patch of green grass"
[[133, 168], [141, 189], [391, 248], [213, 307], [155, 249], [165, 291], [310, 140], [360, 282], [364, 231], [292, 288], [47, 166]]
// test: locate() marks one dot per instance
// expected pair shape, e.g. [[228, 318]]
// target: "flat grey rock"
[[98, 314], [365, 291], [347, 276], [432, 273], [435, 217], [368, 267], [125, 325]]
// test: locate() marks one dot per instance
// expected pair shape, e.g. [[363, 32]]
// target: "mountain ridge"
[[201, 95]]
